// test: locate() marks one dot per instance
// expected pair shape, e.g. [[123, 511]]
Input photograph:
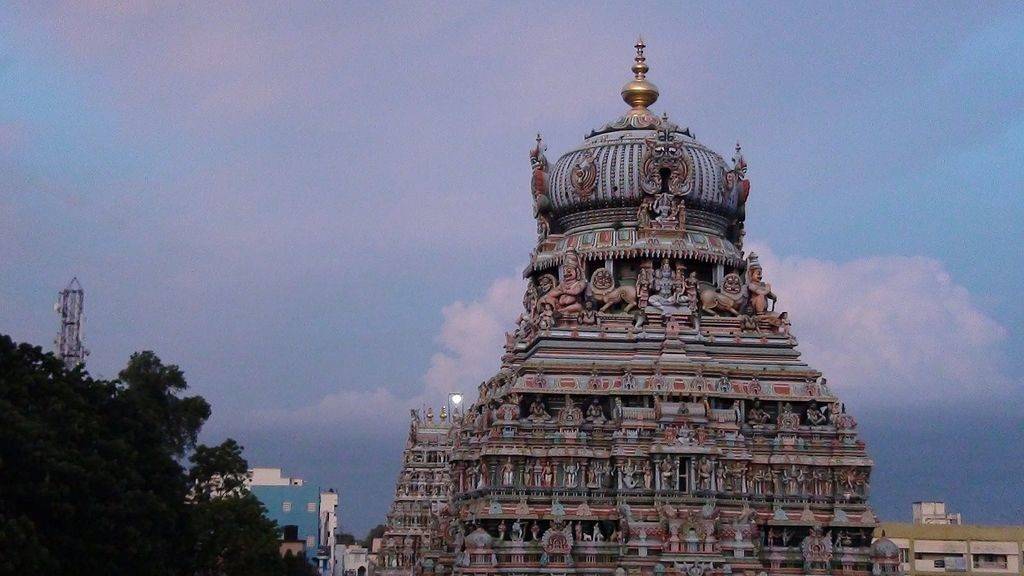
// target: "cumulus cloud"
[[472, 336], [889, 328], [470, 341]]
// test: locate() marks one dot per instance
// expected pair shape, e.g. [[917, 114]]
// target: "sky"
[[321, 211]]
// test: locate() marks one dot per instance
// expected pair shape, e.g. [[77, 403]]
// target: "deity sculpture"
[[756, 293], [588, 316], [758, 416], [571, 470], [539, 188], [507, 473], [644, 282], [595, 413], [538, 413], [815, 416], [662, 208], [643, 215], [517, 531], [566, 298]]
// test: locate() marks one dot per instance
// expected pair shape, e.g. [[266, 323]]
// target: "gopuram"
[[652, 415], [413, 537]]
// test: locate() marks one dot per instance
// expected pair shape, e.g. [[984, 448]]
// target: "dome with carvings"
[[639, 186], [642, 158]]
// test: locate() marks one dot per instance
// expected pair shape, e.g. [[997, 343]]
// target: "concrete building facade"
[[296, 507], [938, 542]]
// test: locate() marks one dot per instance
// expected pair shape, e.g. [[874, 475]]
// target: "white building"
[[328, 528], [934, 513], [352, 560]]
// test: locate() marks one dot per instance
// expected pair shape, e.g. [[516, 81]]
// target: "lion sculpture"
[[726, 300], [603, 289]]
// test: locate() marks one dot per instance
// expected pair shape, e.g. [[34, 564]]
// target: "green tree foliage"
[[92, 481], [375, 532]]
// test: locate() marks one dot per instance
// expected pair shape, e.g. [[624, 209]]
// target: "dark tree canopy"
[[92, 481]]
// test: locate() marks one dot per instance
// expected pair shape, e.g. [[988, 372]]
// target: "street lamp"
[[454, 400]]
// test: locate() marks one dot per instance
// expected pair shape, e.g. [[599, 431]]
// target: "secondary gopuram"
[[652, 414]]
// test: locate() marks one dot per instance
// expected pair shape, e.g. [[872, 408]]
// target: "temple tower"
[[70, 308], [413, 536], [652, 414]]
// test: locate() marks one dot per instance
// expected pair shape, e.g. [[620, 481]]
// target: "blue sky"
[[319, 211]]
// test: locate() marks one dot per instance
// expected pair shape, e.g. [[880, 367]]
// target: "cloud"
[[890, 329], [470, 338]]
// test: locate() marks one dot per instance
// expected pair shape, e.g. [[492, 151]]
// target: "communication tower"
[[69, 307]]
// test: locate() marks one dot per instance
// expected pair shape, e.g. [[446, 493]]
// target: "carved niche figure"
[[538, 413], [508, 473], [570, 415], [665, 284], [571, 473], [588, 317], [758, 416], [817, 549], [643, 215], [546, 318], [788, 419], [727, 300], [583, 177], [602, 288], [815, 415], [595, 413], [705, 474], [517, 531], [644, 282]]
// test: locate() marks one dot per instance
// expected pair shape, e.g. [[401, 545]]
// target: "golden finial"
[[639, 93]]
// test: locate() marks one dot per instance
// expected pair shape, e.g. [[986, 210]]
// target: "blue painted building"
[[295, 507]]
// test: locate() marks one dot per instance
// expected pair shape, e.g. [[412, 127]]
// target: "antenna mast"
[[69, 308]]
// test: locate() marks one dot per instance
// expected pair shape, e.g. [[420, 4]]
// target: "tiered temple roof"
[[423, 489], [652, 414]]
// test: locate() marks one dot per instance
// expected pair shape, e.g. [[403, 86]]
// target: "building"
[[937, 542], [327, 538], [652, 414], [353, 560], [934, 513], [423, 489], [296, 507]]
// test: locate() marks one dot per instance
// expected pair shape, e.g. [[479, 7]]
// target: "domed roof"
[[637, 156], [884, 548]]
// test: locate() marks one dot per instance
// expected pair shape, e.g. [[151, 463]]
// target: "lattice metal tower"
[[69, 307]]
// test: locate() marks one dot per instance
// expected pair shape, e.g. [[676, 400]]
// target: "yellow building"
[[930, 549]]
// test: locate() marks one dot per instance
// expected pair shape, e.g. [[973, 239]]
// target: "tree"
[[92, 482], [89, 472], [375, 532], [233, 534]]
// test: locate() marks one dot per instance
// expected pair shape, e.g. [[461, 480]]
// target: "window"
[[286, 506], [311, 507], [990, 561], [940, 563]]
